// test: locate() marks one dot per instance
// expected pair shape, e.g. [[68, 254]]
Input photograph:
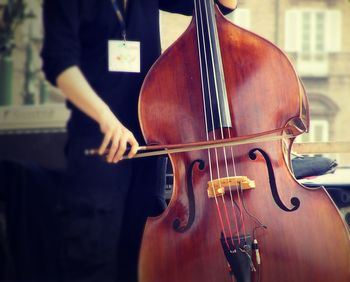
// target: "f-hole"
[[295, 202]]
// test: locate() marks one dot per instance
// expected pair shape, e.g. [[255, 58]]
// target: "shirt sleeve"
[[186, 7], [61, 45]]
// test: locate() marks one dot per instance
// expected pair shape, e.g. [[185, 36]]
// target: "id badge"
[[124, 56]]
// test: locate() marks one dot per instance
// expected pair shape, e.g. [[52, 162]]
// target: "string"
[[238, 187], [218, 107], [222, 133], [204, 104]]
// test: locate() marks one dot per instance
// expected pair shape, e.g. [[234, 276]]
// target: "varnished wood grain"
[[264, 93]]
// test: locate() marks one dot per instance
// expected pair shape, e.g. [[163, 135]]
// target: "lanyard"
[[120, 16]]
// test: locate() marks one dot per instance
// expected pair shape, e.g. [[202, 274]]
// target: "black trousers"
[[103, 211], [88, 222]]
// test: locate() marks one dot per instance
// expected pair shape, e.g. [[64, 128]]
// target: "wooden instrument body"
[[264, 93]]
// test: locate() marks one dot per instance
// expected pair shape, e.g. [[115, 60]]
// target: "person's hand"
[[116, 137], [231, 4]]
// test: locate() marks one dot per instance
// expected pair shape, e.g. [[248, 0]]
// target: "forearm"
[[77, 90]]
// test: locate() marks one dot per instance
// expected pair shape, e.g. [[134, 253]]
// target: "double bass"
[[237, 213]]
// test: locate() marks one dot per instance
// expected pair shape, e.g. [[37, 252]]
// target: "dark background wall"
[[45, 148]]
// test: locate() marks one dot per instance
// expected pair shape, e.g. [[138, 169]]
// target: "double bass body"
[[300, 234]]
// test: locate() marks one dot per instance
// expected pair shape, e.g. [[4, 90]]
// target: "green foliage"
[[13, 14]]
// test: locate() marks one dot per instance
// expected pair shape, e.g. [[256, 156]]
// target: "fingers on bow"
[[118, 142]]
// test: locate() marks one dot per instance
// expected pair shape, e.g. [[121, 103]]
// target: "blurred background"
[[313, 33]]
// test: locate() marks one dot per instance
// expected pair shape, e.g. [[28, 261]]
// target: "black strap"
[[120, 17]]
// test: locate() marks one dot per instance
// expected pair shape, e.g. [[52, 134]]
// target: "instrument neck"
[[212, 76]]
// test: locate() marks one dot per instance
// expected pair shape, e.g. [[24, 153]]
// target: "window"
[[323, 112], [319, 131], [312, 35]]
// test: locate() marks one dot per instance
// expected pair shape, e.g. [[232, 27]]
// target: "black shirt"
[[77, 33]]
